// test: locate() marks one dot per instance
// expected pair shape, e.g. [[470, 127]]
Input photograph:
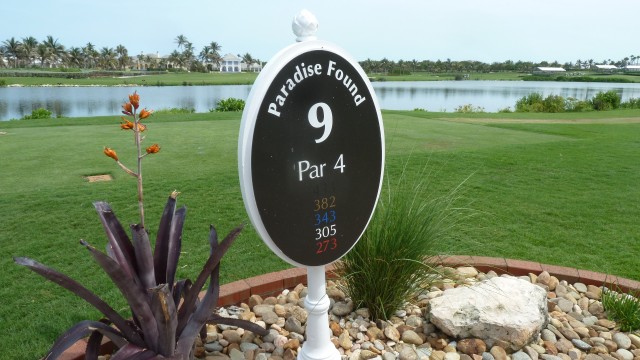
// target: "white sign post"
[[311, 160]]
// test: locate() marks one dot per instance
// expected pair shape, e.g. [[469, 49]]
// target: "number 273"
[[326, 244]]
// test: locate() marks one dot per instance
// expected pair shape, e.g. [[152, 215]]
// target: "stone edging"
[[274, 283]]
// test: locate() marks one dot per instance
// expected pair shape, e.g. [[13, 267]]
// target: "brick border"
[[274, 283]]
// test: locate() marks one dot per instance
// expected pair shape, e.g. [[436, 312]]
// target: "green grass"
[[168, 79], [563, 193], [216, 78]]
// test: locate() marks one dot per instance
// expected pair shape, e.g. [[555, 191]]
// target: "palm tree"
[[55, 48], [107, 60], [123, 56], [213, 53], [176, 59], [181, 40], [74, 57], [89, 55], [11, 48], [248, 59], [44, 55], [204, 54], [29, 45]]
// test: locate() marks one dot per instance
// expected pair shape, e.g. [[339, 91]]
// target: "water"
[[490, 95], [16, 102]]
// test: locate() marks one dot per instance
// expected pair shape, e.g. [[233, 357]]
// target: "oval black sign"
[[311, 154]]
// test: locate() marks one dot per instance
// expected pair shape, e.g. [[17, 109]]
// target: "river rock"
[[471, 346], [624, 354], [502, 308], [622, 340]]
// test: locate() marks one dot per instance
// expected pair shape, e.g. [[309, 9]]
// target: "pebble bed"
[[578, 328]]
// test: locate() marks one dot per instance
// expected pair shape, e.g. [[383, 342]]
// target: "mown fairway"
[[559, 189]]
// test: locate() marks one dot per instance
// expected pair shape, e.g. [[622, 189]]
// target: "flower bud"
[[127, 109], [153, 149], [110, 153], [144, 113], [126, 124], [134, 99]]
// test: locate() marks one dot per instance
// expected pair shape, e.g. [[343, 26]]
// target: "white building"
[[231, 63], [605, 68], [544, 70]]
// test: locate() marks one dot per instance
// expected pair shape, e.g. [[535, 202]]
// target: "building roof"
[[231, 57], [635, 67], [550, 69], [606, 67]]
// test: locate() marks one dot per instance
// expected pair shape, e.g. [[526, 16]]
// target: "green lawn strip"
[[217, 78], [168, 79], [562, 194]]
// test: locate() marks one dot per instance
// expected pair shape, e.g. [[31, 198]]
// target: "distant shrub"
[[575, 105], [505, 110], [632, 103], [174, 110], [40, 113], [553, 104], [530, 103], [399, 71], [3, 83], [420, 109], [468, 108], [608, 100], [230, 104]]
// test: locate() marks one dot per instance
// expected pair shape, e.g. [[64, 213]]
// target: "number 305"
[[325, 231]]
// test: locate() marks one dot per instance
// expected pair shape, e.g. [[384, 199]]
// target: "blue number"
[[327, 218]]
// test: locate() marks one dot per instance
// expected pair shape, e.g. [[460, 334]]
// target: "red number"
[[326, 244]]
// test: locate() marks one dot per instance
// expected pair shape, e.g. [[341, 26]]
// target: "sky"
[[483, 30]]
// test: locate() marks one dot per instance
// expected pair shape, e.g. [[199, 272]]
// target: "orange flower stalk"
[[111, 153], [131, 109]]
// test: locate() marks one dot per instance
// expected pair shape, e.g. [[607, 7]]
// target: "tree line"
[[468, 66], [29, 52]]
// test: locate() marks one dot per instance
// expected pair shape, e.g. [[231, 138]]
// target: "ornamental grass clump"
[[396, 258], [167, 314], [623, 308]]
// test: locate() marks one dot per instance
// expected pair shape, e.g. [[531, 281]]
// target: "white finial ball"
[[305, 26]]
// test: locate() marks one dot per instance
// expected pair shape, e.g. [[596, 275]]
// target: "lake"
[[16, 102]]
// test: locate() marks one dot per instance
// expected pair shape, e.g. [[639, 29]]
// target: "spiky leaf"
[[144, 258], [120, 245], [135, 295], [66, 282], [164, 310], [175, 245], [160, 252], [80, 331]]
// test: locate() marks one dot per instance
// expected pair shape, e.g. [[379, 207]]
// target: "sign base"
[[318, 345]]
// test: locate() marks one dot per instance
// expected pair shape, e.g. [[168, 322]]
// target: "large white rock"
[[501, 308]]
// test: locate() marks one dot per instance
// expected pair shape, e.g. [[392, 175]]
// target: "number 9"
[[327, 120]]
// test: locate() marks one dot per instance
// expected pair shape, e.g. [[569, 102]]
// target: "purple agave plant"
[[167, 315]]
